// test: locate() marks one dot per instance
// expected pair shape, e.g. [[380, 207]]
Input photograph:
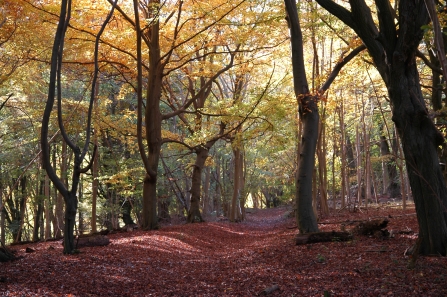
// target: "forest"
[[127, 118]]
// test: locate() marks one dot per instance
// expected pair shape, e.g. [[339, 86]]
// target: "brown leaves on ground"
[[227, 259]]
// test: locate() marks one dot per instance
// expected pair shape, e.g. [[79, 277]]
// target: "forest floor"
[[219, 258]]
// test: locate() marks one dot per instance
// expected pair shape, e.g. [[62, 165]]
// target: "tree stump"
[[322, 237]]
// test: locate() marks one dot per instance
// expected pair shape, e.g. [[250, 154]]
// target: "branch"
[[338, 11], [296, 39], [438, 35], [90, 163], [141, 148], [94, 81], [4, 102], [427, 62], [50, 101], [205, 86], [339, 66]]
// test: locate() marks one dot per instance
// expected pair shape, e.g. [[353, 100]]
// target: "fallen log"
[[370, 227], [322, 237], [91, 240], [97, 240]]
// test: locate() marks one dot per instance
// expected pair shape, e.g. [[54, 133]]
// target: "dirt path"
[[224, 259]]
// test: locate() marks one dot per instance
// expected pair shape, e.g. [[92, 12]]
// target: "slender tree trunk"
[[322, 168], [308, 109], [358, 164], [2, 213], [47, 208], [235, 213], [218, 199], [95, 182], [344, 170], [367, 168], [39, 209], [390, 185], [206, 191], [81, 226], [59, 208], [400, 163]]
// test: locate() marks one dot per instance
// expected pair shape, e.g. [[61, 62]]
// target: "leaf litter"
[[219, 258]]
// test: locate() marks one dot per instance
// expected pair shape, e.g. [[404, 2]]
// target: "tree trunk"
[[235, 212], [194, 215], [71, 207], [358, 164], [308, 109], [58, 224], [394, 57], [307, 221], [95, 184], [390, 185], [420, 140], [149, 218], [344, 169], [2, 214], [38, 210], [47, 205], [206, 191], [322, 169]]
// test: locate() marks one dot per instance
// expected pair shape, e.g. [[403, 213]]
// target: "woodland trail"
[[226, 259]]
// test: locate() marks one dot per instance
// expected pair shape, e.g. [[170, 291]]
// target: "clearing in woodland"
[[256, 257]]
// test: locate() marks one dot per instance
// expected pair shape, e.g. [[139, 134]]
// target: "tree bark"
[[194, 215], [235, 212]]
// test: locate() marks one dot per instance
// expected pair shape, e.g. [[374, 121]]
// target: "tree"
[[156, 72], [393, 51], [54, 92], [308, 110]]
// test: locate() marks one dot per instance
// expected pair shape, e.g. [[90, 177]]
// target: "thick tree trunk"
[[71, 207], [194, 215], [393, 54], [420, 140], [149, 218]]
